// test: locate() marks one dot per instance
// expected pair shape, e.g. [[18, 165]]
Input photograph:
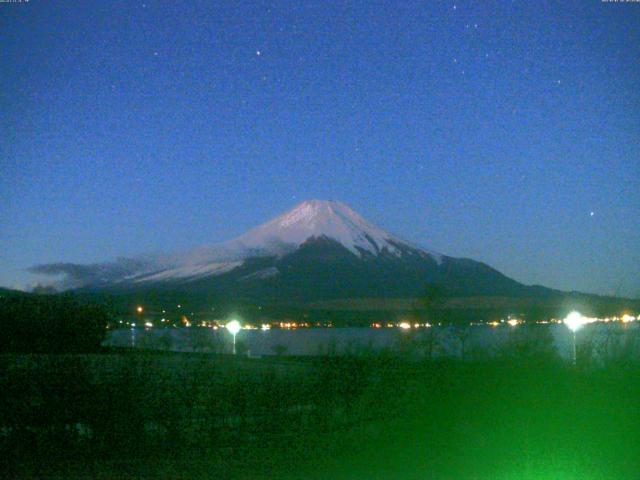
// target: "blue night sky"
[[508, 132]]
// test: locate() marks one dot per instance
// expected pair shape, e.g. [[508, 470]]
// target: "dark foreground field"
[[522, 414]]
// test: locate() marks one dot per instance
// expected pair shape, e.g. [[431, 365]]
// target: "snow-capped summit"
[[322, 218], [308, 220]]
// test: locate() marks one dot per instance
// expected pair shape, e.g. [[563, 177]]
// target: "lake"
[[440, 341]]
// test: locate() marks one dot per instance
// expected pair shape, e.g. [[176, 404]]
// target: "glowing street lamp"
[[574, 321], [233, 327]]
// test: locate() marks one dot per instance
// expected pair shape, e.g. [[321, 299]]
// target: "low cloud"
[[75, 275]]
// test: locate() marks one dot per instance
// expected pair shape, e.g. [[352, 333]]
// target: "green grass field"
[[525, 415]]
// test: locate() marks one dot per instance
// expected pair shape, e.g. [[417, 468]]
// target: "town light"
[[233, 327], [626, 318], [139, 309]]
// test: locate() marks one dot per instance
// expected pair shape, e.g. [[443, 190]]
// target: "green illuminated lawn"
[[191, 416]]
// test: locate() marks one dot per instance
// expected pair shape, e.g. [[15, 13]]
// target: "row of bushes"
[[50, 324]]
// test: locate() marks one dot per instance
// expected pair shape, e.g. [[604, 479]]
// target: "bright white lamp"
[[233, 327], [574, 321]]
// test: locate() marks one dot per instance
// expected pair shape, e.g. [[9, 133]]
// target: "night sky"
[[508, 132]]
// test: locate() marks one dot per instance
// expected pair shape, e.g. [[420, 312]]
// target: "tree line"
[[50, 324]]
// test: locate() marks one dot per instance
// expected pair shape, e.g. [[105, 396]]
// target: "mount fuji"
[[310, 222], [317, 251], [320, 257]]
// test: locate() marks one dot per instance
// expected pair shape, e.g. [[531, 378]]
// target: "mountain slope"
[[317, 251], [322, 268], [284, 235]]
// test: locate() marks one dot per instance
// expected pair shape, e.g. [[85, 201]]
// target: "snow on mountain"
[[188, 272], [278, 237], [284, 234], [316, 218]]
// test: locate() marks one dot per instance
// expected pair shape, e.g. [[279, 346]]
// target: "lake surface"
[[470, 341]]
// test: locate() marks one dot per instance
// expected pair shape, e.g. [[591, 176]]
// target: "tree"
[[429, 302], [462, 334], [429, 342], [425, 312], [51, 324], [529, 344], [199, 338], [279, 349]]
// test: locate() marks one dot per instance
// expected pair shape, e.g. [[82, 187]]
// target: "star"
[[258, 53], [591, 214]]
